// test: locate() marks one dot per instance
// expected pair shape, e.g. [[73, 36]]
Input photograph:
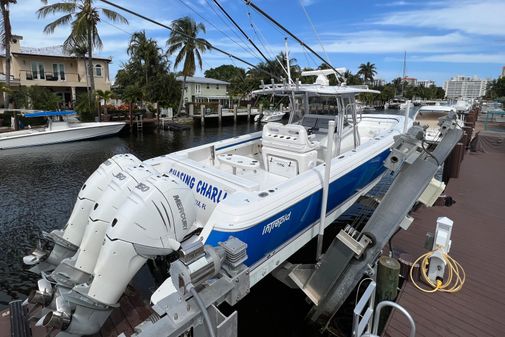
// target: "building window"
[[208, 86], [217, 86], [198, 88], [98, 70], [38, 72], [58, 71]]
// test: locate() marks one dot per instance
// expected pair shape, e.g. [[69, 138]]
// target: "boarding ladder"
[[362, 323], [140, 123]]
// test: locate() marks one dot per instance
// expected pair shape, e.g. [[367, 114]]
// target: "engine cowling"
[[155, 218], [67, 241]]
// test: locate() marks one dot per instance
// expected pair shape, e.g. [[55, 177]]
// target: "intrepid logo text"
[[276, 223]]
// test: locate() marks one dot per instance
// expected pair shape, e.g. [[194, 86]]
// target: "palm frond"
[[60, 7], [114, 16], [49, 29]]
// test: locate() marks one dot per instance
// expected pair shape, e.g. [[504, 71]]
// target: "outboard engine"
[[79, 268], [154, 220], [67, 240]]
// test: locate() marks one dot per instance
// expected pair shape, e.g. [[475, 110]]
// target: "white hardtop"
[[312, 90]]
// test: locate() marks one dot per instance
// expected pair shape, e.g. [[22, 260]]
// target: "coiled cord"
[[456, 275]]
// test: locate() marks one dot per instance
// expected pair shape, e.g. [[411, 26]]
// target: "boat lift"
[[330, 280]]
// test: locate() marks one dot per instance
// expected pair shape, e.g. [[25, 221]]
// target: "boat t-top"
[[430, 115], [59, 129], [254, 200]]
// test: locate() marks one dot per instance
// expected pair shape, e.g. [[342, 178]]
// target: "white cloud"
[[380, 42], [474, 17], [496, 58]]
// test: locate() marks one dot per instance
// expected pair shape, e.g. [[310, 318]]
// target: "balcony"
[[14, 81], [53, 78]]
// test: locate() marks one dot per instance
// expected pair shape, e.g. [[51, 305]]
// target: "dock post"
[[248, 112], [281, 107], [191, 109], [235, 107], [388, 273], [202, 115], [220, 113], [260, 109]]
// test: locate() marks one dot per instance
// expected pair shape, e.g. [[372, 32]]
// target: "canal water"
[[38, 188]]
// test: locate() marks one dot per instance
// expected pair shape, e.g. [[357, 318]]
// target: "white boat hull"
[[33, 137]]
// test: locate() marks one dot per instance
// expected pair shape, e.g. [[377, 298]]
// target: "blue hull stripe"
[[303, 213]]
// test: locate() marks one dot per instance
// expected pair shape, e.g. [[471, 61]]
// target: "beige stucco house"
[[204, 90], [53, 68]]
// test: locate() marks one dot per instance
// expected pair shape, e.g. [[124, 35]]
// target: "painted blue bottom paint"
[[292, 220]]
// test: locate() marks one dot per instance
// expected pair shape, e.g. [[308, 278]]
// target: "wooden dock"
[[478, 243]]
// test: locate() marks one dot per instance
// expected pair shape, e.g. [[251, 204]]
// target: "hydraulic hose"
[[205, 313]]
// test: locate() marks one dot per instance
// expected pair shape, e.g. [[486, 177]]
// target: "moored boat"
[[58, 130]]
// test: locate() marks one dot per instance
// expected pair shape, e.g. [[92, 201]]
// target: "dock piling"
[[248, 112], [202, 115], [235, 108], [388, 273], [220, 113]]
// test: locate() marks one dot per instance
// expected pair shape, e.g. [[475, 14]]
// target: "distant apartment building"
[[53, 68], [425, 83], [205, 90], [503, 71], [378, 82], [410, 81], [465, 87]]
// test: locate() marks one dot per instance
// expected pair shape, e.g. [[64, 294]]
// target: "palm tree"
[[83, 16], [368, 71], [185, 42], [6, 36], [105, 95]]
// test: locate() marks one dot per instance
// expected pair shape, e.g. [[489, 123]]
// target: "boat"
[[397, 103], [429, 115], [256, 199], [58, 130], [270, 116]]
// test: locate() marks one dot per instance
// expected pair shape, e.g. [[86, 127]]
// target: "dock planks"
[[478, 239]]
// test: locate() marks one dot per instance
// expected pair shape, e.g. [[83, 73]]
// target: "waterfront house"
[[53, 68], [205, 90]]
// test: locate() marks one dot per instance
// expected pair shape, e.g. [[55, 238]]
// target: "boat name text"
[[276, 223]]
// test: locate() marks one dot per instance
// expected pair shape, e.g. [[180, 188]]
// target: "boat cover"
[[50, 113]]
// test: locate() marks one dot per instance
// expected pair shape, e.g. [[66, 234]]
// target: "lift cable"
[[275, 22], [188, 37]]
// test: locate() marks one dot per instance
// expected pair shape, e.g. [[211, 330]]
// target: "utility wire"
[[187, 36], [275, 22]]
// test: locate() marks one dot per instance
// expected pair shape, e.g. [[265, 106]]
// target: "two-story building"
[[204, 90], [53, 68]]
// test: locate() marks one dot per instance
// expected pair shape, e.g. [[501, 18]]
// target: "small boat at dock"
[[58, 130], [429, 115]]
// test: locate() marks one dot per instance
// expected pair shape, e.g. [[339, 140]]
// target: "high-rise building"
[[503, 71], [410, 81], [425, 83], [465, 87]]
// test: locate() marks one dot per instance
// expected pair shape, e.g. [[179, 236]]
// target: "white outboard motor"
[[78, 269], [157, 216], [67, 241]]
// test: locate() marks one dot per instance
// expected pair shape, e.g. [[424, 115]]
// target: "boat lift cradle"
[[338, 271]]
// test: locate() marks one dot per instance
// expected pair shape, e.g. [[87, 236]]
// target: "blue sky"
[[442, 38]]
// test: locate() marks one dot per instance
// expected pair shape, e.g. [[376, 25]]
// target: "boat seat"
[[288, 150]]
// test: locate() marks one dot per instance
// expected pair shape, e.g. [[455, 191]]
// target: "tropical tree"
[[83, 17], [104, 95], [6, 36], [185, 42], [368, 71]]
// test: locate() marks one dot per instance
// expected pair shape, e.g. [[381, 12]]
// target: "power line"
[[186, 36]]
